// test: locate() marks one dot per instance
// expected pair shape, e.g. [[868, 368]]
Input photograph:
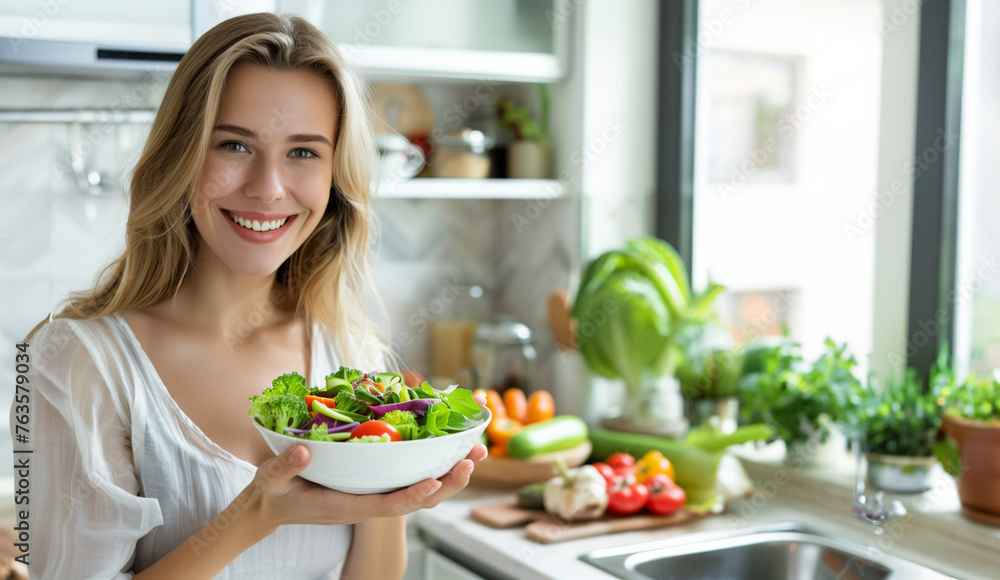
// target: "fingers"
[[405, 501], [477, 454], [285, 466]]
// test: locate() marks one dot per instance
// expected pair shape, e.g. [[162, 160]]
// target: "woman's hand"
[[278, 497]]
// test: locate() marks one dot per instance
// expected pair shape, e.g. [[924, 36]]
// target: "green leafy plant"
[[630, 307], [793, 396], [520, 121], [901, 418], [975, 399], [711, 364]]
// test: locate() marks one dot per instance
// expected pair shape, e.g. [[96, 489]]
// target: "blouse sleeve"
[[86, 512]]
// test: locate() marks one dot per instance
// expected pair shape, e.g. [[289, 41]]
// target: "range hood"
[[84, 59]]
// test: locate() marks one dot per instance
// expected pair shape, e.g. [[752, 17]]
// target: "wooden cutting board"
[[546, 529]]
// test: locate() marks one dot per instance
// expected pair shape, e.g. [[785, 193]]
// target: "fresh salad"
[[356, 406]]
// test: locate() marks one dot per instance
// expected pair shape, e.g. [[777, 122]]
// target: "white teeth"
[[256, 225]]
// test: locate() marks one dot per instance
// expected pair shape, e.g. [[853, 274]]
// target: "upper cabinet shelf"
[[393, 62], [499, 40], [429, 188]]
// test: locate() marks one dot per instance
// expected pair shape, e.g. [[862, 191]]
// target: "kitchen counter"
[[941, 540]]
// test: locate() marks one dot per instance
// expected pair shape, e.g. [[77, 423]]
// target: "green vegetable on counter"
[[555, 434], [630, 309], [531, 496]]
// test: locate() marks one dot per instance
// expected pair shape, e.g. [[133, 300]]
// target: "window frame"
[[934, 220]]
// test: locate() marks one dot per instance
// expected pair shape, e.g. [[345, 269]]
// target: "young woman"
[[245, 259]]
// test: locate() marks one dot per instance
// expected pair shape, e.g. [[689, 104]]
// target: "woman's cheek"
[[219, 177]]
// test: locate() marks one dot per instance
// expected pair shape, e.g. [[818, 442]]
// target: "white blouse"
[[120, 476]]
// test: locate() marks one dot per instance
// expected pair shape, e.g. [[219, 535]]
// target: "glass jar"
[[503, 356], [461, 154]]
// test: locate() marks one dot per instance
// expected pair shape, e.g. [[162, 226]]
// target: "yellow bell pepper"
[[652, 463]]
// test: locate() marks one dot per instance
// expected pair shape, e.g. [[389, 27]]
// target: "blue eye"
[[302, 153], [234, 146]]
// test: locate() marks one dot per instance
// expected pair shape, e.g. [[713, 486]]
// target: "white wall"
[[619, 70]]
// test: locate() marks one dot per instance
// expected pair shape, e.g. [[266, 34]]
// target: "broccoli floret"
[[349, 375], [279, 411], [260, 409], [404, 421], [292, 383], [348, 401]]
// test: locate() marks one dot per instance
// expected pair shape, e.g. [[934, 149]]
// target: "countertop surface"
[[958, 548]]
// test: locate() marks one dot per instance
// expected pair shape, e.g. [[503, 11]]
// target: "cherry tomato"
[[540, 407], [517, 404], [607, 473], [652, 463], [627, 496], [622, 463], [376, 428], [665, 496]]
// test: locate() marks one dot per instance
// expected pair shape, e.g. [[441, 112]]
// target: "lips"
[[256, 221], [258, 227]]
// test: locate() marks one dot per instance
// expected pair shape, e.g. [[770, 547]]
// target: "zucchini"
[[555, 434], [532, 496]]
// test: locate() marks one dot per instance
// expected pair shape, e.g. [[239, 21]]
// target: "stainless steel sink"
[[785, 551]]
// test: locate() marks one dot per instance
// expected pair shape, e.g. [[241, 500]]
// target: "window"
[[977, 288], [786, 148]]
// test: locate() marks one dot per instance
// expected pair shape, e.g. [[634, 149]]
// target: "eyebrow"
[[298, 138]]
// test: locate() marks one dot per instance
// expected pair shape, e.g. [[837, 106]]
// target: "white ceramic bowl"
[[363, 468]]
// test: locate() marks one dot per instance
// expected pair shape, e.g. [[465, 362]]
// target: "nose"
[[267, 182]]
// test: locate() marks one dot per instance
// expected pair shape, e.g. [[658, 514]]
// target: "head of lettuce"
[[630, 309]]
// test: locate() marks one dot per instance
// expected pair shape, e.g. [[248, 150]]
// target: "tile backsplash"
[[58, 238]]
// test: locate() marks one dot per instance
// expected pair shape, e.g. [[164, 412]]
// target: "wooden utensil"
[[560, 322], [546, 529]]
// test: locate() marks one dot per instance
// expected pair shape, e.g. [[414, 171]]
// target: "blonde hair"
[[326, 277]]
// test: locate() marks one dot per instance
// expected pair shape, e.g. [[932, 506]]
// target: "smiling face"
[[268, 172]]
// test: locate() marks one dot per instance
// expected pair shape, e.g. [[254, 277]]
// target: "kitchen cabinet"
[[119, 22], [439, 567], [423, 563], [507, 40]]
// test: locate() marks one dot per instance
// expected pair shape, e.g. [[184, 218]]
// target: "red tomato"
[[607, 473], [627, 496], [376, 428], [665, 496], [622, 463]]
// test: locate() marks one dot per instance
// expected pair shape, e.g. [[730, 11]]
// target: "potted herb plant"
[[709, 373], [528, 154], [803, 402], [898, 424], [972, 454]]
